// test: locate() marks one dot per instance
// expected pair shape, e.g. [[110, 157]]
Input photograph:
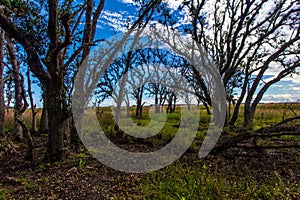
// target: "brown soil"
[[83, 177]]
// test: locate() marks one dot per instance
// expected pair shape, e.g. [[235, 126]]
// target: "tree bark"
[[44, 117], [139, 104], [55, 147], [18, 104], [248, 115], [34, 112], [2, 104], [207, 108], [236, 109]]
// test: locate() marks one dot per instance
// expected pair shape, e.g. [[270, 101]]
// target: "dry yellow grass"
[[27, 117]]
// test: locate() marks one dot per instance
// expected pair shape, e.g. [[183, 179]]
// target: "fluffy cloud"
[[116, 21], [127, 1], [274, 98]]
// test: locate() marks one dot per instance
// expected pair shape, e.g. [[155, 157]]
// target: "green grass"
[[5, 194], [181, 182], [28, 183]]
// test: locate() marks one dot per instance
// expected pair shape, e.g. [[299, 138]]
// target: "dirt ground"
[[80, 176]]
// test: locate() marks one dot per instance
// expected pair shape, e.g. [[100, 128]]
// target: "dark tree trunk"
[[139, 106], [2, 104], [174, 103], [229, 110], [67, 128], [56, 120], [157, 105], [207, 108], [2, 108], [248, 115], [33, 106], [236, 109], [170, 103], [74, 135], [44, 117]]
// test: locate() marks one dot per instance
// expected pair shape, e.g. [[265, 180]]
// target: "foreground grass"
[[184, 182]]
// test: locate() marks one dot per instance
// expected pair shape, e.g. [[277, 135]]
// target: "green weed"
[[27, 183], [5, 194]]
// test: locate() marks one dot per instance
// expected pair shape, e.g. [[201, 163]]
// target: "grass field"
[[235, 174]]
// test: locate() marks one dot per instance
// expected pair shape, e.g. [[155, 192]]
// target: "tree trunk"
[[2, 104], [139, 106], [2, 107], [229, 110], [170, 103], [56, 122], [44, 117], [18, 104], [157, 105], [174, 105], [33, 106], [236, 109], [67, 127], [248, 115], [207, 108], [18, 131], [235, 113]]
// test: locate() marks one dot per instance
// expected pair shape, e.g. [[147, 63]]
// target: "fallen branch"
[[278, 124], [233, 142], [270, 147]]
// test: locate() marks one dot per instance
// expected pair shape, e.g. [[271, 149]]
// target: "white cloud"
[[116, 21], [127, 1], [272, 98], [294, 79], [173, 4]]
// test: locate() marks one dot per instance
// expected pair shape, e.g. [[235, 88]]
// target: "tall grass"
[[27, 117]]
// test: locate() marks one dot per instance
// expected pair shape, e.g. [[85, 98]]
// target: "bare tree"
[[248, 36]]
